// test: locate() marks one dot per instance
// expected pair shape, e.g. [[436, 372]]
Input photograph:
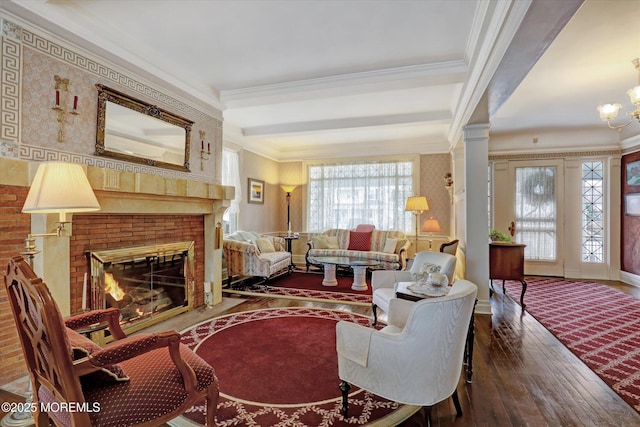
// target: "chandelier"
[[609, 112]]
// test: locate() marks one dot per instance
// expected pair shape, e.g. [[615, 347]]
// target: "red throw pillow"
[[360, 240]]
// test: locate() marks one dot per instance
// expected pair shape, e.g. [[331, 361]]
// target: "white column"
[[476, 145]]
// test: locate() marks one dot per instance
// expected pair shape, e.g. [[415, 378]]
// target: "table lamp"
[[431, 225]]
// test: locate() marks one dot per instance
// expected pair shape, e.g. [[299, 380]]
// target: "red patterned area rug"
[[599, 324], [308, 286], [279, 367]]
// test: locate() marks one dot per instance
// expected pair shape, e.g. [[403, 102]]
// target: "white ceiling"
[[312, 78]]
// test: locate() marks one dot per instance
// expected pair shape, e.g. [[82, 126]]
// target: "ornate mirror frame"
[[105, 95]]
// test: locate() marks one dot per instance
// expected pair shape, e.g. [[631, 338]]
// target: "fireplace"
[[147, 283]]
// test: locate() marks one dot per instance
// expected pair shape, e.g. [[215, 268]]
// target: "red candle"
[[208, 147], [202, 145], [75, 102], [57, 97]]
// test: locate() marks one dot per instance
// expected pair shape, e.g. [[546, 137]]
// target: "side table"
[[402, 292], [506, 262], [289, 237]]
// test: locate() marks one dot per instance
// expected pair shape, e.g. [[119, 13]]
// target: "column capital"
[[479, 131]]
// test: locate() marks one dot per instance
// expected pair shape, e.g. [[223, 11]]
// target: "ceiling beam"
[[347, 123], [539, 28], [441, 73]]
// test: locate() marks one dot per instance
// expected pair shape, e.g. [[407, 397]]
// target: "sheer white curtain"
[[231, 177], [347, 194], [536, 211]]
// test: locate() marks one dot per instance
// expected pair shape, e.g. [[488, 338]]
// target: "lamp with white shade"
[[417, 205], [60, 188]]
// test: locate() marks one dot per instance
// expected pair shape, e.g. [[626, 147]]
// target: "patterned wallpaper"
[[29, 61], [433, 167]]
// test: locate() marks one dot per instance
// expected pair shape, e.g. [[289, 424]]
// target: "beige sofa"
[[387, 247], [248, 253]]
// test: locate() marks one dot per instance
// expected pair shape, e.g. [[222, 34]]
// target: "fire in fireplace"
[[143, 282]]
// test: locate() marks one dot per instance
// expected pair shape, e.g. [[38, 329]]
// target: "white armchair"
[[383, 282], [416, 359]]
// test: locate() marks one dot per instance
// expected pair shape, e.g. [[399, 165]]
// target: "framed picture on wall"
[[255, 192], [632, 204], [633, 173]]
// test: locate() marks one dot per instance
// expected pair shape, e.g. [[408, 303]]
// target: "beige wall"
[[265, 217]]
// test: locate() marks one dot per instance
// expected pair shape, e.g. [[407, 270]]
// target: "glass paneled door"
[[537, 214]]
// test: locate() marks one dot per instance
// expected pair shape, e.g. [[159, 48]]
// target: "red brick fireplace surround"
[[102, 232]]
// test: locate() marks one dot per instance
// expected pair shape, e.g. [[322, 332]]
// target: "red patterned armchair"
[[145, 379]]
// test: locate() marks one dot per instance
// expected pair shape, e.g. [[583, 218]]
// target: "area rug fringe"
[[597, 323]]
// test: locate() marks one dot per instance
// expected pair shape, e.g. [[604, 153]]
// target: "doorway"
[[527, 201]]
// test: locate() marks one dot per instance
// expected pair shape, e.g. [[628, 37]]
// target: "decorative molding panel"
[[111, 180], [171, 187], [534, 156]]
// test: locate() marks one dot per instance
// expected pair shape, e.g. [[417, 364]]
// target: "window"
[[231, 177], [592, 211], [345, 195]]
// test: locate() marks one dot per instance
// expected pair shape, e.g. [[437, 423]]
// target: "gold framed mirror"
[[135, 131]]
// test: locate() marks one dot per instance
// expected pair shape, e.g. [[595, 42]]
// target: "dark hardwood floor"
[[523, 376]]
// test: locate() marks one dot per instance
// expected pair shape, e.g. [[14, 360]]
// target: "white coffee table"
[[358, 266]]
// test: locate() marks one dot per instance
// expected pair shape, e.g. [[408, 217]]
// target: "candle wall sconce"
[[448, 184], [204, 155], [65, 111]]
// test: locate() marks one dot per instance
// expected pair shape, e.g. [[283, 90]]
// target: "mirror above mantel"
[[135, 131]]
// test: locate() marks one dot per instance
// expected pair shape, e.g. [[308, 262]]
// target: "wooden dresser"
[[506, 262]]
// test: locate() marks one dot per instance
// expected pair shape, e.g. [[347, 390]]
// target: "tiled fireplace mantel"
[[120, 192]]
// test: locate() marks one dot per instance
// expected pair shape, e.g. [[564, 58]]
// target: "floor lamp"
[[417, 205], [288, 189]]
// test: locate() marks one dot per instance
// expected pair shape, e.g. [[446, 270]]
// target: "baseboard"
[[630, 278], [483, 307]]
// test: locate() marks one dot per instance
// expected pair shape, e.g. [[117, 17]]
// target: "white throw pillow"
[[320, 242], [265, 245], [390, 246], [332, 242]]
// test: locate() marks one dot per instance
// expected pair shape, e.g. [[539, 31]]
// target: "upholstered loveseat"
[[388, 247], [248, 253]]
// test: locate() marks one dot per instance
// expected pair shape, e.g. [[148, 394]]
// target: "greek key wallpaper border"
[[13, 39]]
